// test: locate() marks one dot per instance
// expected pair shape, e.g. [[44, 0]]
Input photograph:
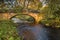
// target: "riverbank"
[[8, 31]]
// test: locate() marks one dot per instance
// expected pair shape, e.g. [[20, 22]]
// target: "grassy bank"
[[8, 31]]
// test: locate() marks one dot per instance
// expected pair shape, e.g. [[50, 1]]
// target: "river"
[[38, 32]]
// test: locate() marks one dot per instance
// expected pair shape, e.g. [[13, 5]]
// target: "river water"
[[38, 32]]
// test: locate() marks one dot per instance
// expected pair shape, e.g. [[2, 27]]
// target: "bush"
[[8, 31]]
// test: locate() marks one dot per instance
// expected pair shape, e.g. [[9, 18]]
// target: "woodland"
[[46, 12]]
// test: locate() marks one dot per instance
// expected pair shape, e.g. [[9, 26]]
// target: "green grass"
[[8, 31]]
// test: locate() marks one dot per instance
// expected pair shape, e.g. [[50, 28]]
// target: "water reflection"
[[38, 32], [31, 31]]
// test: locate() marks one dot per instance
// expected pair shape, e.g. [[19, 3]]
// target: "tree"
[[52, 13]]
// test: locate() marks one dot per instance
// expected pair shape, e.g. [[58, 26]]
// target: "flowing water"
[[38, 32]]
